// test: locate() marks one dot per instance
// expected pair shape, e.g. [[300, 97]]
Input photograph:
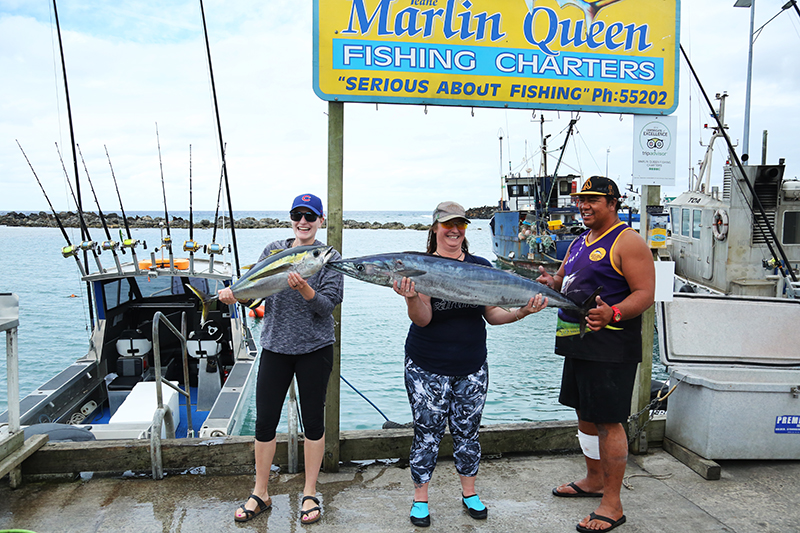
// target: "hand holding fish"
[[600, 316], [536, 304], [226, 296], [405, 288], [297, 283]]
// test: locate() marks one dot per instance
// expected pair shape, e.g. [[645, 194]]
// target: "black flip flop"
[[308, 511], [594, 516], [248, 514], [579, 493]]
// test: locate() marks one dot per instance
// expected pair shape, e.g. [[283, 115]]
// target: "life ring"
[[180, 264], [719, 227], [257, 312]]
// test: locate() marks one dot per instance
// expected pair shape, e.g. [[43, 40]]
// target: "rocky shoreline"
[[70, 219]]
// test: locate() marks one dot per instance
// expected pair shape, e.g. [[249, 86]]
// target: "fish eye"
[[360, 268]]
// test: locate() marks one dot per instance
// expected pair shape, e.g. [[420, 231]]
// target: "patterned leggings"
[[436, 400]]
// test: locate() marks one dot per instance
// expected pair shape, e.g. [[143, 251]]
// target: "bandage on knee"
[[590, 444]]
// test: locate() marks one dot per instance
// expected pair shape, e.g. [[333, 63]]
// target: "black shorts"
[[600, 391]]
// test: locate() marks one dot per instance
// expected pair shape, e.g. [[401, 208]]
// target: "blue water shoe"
[[474, 506], [420, 516]]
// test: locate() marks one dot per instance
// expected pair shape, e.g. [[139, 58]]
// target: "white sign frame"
[[654, 149]]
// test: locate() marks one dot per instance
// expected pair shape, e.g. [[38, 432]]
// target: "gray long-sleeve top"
[[293, 325]]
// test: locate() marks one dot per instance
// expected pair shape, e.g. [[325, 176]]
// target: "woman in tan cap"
[[446, 373]]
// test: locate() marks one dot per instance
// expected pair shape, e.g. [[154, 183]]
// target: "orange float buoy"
[[257, 312], [180, 264]]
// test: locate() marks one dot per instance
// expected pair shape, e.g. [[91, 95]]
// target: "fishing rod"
[[221, 143], [215, 248], [69, 249], [130, 242], [87, 245], [165, 241], [191, 245], [109, 244], [782, 266], [389, 424], [84, 237]]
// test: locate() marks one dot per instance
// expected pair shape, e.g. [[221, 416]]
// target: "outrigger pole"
[[221, 143], [69, 249], [782, 265], [85, 237], [109, 244]]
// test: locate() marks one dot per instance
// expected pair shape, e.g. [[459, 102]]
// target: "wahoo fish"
[[458, 281], [270, 275]]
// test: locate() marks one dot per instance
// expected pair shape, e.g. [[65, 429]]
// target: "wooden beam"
[[15, 458], [330, 461], [706, 468]]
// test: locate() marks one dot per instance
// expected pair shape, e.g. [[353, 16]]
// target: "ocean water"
[[54, 321]]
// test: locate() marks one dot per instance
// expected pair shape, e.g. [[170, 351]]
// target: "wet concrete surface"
[[665, 496]]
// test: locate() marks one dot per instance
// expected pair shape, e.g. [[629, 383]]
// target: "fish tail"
[[588, 304], [205, 300]]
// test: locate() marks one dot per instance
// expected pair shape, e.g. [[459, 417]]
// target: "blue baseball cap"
[[310, 201]]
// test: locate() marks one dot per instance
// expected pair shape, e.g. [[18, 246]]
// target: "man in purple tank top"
[[600, 367]]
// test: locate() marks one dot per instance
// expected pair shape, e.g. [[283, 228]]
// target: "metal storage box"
[[737, 365]]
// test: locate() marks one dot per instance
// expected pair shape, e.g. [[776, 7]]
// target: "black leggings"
[[275, 373]]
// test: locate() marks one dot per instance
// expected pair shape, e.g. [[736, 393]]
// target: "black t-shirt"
[[454, 342]]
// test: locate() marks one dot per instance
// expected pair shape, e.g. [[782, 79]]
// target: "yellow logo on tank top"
[[597, 255]]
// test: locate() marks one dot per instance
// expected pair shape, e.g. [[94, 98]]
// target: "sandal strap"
[[261, 505], [312, 498]]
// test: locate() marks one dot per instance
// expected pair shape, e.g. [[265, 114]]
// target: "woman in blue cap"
[[297, 341]]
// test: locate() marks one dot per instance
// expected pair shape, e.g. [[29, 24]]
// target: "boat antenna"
[[69, 249], [87, 245], [221, 143], [782, 265], [191, 245], [165, 241], [108, 244], [130, 242]]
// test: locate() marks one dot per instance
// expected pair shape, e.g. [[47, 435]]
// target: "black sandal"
[[248, 514], [305, 513]]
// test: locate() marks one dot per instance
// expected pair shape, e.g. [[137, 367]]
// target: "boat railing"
[[163, 412]]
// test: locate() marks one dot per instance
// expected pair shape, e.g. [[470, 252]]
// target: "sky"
[[140, 67]]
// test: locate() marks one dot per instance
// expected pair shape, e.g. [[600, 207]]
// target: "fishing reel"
[[130, 243], [215, 248], [191, 246], [88, 246], [69, 251], [109, 245]]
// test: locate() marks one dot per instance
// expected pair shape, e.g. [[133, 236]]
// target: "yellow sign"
[[617, 56]]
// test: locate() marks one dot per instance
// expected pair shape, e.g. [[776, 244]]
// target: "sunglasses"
[[310, 217], [450, 224]]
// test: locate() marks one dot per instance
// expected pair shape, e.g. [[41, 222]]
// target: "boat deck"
[[665, 496]]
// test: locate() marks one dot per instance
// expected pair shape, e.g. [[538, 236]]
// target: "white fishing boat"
[[729, 335]]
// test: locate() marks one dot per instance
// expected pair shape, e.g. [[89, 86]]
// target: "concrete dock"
[[664, 496]]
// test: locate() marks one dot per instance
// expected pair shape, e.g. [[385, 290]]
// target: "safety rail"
[[163, 412]]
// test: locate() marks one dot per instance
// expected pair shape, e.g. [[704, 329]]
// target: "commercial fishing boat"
[[540, 219]]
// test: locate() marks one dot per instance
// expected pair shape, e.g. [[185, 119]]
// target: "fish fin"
[[276, 251], [588, 304], [205, 300], [410, 273], [248, 267], [252, 304]]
